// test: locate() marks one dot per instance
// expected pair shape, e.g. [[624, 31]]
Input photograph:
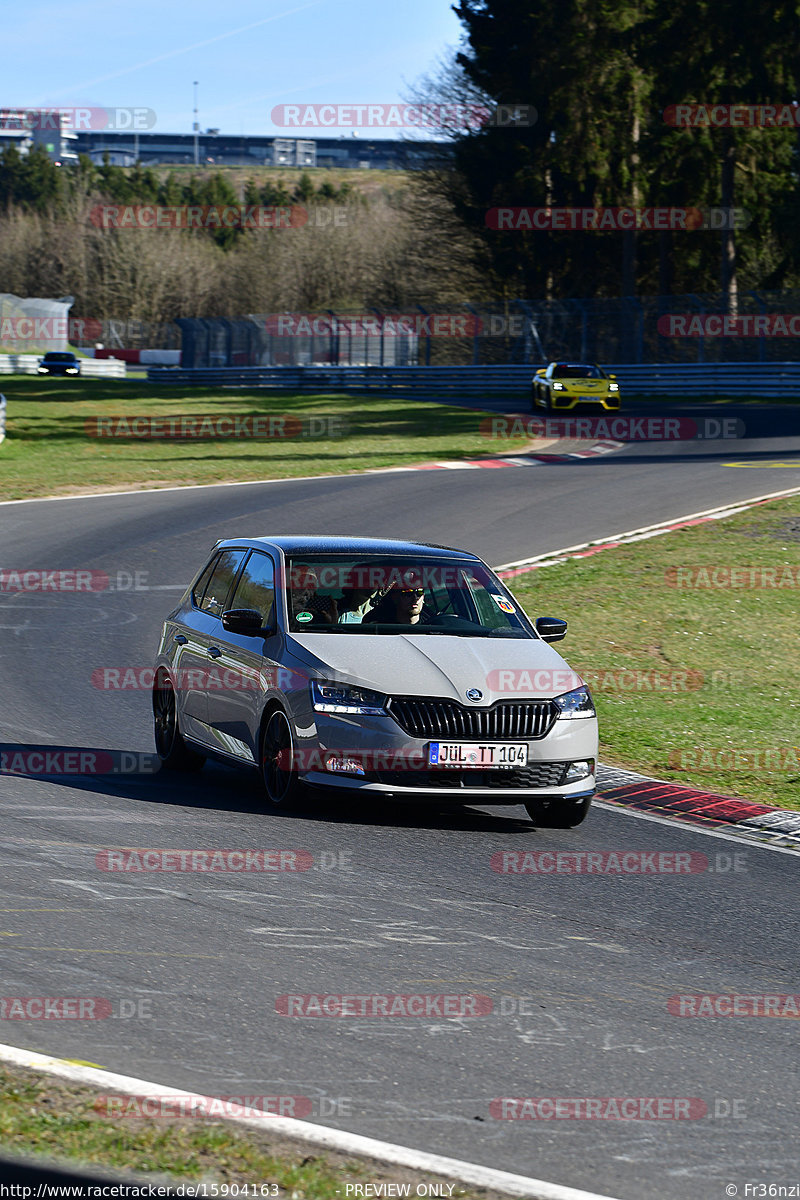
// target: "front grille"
[[534, 775], [504, 721]]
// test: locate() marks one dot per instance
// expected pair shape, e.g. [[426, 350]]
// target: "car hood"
[[442, 666]]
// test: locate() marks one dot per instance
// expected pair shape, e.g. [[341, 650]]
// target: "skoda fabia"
[[382, 668]]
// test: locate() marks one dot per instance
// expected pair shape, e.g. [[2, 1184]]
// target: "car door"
[[244, 668], [197, 638]]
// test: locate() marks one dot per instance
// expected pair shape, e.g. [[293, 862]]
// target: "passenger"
[[358, 596], [303, 591]]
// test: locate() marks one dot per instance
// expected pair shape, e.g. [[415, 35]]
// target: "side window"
[[256, 586], [199, 588], [216, 592]]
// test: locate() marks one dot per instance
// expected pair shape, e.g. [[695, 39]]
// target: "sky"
[[248, 58]]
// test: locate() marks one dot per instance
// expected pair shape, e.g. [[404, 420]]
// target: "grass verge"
[[693, 669], [49, 452], [52, 1119]]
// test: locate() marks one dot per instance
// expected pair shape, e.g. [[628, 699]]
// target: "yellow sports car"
[[564, 385]]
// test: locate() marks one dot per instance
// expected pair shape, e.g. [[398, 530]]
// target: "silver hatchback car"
[[378, 667]]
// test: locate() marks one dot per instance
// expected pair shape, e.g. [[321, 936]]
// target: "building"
[[52, 129]]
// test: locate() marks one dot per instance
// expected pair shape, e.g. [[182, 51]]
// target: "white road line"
[[306, 1131], [725, 510]]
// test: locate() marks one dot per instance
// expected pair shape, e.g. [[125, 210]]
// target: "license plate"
[[594, 397], [470, 754]]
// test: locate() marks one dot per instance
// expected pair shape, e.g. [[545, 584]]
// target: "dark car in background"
[[59, 362]]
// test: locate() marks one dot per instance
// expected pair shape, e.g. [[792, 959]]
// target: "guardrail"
[[676, 379], [91, 368], [2, 417]]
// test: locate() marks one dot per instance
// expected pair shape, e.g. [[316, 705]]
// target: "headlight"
[[72, 370], [342, 699], [558, 387], [613, 387], [575, 704], [41, 370]]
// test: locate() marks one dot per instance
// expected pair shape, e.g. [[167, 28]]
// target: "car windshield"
[[53, 356], [577, 371], [391, 595]]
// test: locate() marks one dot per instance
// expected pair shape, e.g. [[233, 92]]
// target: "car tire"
[[276, 761], [546, 401], [171, 749], [559, 813]]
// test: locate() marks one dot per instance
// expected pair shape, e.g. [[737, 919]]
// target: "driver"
[[403, 604]]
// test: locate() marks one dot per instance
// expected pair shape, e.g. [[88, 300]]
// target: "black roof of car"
[[60, 356], [350, 545]]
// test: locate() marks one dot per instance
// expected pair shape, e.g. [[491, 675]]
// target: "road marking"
[[634, 535], [762, 464], [138, 953], [305, 1131]]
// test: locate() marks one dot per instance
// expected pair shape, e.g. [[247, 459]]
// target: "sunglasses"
[[412, 591]]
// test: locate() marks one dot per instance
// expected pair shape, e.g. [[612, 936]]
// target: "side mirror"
[[542, 371], [612, 377], [246, 621], [551, 629]]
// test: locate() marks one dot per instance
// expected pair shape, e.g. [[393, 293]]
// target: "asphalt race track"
[[580, 968]]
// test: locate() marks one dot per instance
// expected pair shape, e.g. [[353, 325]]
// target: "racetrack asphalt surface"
[[579, 967]]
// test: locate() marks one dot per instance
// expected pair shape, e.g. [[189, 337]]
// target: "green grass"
[[47, 451], [623, 614], [44, 1116]]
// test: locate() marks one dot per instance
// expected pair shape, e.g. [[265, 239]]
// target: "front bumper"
[[394, 764], [560, 401]]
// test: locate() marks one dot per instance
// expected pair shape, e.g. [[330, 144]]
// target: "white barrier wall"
[[2, 417], [27, 364]]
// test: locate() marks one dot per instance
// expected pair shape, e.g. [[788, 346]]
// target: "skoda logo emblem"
[[474, 694]]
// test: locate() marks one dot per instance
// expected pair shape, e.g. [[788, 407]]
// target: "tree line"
[[604, 81], [600, 84]]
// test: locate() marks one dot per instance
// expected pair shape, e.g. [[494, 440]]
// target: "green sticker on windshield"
[[304, 617]]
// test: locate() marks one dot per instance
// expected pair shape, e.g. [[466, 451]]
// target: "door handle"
[[180, 639], [214, 652]]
